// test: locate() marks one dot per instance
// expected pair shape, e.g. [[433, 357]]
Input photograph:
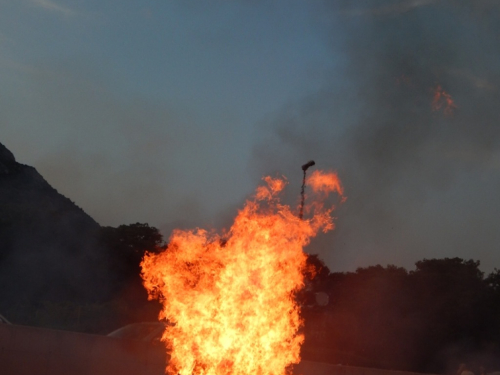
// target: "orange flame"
[[325, 182], [231, 300], [443, 100]]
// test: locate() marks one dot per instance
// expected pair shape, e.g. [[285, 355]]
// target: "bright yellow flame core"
[[231, 300]]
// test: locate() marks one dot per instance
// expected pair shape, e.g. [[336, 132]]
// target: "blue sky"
[[192, 80], [170, 112]]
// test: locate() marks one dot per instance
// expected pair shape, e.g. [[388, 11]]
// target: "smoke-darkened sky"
[[170, 112]]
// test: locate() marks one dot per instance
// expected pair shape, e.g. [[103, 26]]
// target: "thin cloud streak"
[[401, 7], [476, 81], [54, 7]]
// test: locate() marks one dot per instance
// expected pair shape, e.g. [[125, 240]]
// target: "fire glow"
[[443, 100], [230, 297]]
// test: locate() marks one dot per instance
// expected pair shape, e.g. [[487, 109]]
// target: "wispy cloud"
[[54, 7], [405, 6], [476, 81], [401, 7]]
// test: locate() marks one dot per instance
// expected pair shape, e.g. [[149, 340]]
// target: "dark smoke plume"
[[421, 180]]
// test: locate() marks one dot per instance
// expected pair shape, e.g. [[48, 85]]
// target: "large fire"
[[230, 297]]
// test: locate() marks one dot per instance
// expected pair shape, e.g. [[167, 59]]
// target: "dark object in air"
[[310, 163]]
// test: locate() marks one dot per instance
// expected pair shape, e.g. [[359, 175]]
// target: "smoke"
[[170, 148], [420, 181]]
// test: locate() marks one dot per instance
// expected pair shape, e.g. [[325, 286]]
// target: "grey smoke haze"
[[171, 113], [419, 183]]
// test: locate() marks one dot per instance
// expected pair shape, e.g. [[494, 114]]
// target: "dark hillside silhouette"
[[58, 267], [48, 247]]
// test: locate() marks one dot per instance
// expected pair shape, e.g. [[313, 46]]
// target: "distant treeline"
[[111, 297], [443, 313]]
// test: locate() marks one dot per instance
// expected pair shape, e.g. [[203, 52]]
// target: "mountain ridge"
[[49, 246]]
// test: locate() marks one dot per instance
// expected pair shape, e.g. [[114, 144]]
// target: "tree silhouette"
[[126, 246], [426, 320]]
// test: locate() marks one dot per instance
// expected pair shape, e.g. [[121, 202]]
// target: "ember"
[[231, 298], [443, 100]]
